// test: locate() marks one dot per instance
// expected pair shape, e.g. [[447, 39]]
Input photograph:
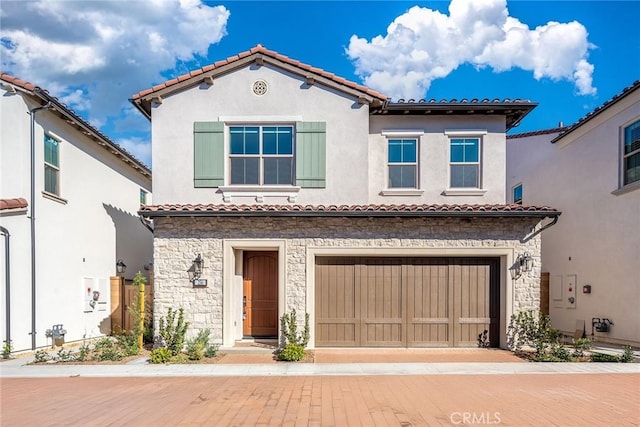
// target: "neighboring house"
[[385, 221], [591, 172], [83, 209]]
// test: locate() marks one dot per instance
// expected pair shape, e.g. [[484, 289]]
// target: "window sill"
[[401, 192], [464, 192], [626, 189], [54, 197], [259, 192]]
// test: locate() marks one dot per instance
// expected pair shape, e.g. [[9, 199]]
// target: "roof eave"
[[362, 214]]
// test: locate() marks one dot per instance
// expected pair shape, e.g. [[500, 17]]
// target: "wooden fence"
[[123, 295]]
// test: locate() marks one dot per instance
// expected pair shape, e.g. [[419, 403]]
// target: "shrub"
[[483, 339], [161, 355], [64, 355], [602, 357], [128, 342], [527, 329], [560, 352], [580, 346], [105, 349], [41, 356], [291, 353], [627, 355], [196, 346], [173, 335], [294, 343], [6, 349], [83, 353], [211, 351]]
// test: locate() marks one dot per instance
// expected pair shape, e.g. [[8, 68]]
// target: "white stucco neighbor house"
[[283, 186], [68, 213], [591, 172]]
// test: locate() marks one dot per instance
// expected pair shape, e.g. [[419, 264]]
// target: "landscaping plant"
[[41, 356], [527, 328], [6, 349], [197, 346], [294, 343], [173, 334], [161, 355]]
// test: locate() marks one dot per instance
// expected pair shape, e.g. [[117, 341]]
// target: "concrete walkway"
[[18, 368]]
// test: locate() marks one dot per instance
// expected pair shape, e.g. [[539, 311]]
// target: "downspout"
[[32, 218], [7, 260]]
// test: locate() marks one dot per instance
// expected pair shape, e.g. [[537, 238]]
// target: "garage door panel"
[[406, 302]]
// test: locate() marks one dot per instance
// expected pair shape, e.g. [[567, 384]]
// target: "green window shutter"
[[311, 147], [208, 154]]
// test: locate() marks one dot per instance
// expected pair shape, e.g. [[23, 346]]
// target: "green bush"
[[128, 342], [173, 334], [289, 328], [105, 349], [291, 353], [41, 356], [196, 346], [580, 346], [211, 350], [64, 355], [161, 355], [7, 348], [83, 353], [525, 328], [627, 355], [602, 357]]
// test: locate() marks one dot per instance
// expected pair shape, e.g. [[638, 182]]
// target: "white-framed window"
[[631, 153], [402, 160], [464, 162], [261, 155], [51, 165], [517, 194]]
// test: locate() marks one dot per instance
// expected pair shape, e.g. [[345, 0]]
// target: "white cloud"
[[139, 147], [423, 45], [96, 54]]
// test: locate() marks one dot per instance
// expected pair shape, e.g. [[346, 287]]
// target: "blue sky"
[[569, 56]]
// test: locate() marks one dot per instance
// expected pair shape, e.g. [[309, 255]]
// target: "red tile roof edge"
[[275, 55], [349, 210], [537, 132], [30, 87], [15, 203]]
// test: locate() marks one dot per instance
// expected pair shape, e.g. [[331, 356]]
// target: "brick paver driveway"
[[514, 400]]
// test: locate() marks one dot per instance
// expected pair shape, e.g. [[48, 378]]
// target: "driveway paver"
[[408, 400]]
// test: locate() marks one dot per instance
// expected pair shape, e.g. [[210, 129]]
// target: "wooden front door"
[[260, 294]]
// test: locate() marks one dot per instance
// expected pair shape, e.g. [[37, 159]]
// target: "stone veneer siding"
[[178, 240]]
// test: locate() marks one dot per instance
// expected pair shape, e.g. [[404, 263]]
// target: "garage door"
[[406, 302]]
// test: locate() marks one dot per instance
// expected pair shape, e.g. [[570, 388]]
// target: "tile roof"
[[537, 132], [346, 210], [625, 92], [16, 203], [200, 73], [75, 120]]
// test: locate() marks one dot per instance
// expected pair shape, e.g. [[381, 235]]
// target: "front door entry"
[[260, 294]]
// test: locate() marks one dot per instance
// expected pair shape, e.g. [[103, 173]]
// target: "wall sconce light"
[[196, 269], [121, 267], [524, 263]]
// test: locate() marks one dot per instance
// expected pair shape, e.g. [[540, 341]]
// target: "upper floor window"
[[261, 155], [517, 194], [51, 165], [465, 162], [143, 197], [631, 155], [403, 163]]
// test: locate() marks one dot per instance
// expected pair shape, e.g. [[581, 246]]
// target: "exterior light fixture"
[[196, 269], [121, 267], [524, 263]]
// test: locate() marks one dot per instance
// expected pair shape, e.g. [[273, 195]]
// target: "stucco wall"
[[598, 235], [179, 240], [79, 237], [288, 100]]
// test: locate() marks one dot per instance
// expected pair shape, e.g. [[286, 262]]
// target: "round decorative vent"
[[260, 87]]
